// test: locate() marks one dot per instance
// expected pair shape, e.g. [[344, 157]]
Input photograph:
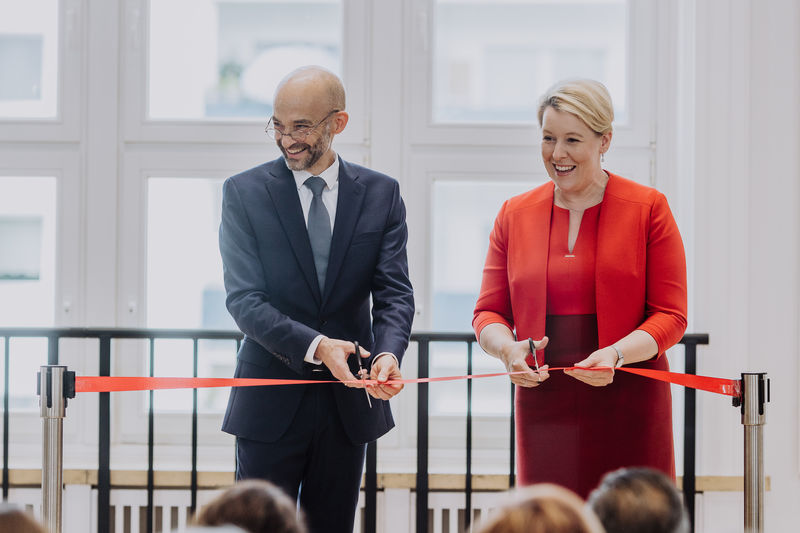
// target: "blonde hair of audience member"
[[586, 99], [255, 505], [543, 508], [14, 518]]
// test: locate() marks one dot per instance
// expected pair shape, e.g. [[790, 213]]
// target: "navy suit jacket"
[[274, 297]]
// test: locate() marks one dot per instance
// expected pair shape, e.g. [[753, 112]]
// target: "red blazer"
[[640, 270]]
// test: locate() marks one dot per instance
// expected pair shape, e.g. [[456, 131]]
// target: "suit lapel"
[[348, 209], [283, 191]]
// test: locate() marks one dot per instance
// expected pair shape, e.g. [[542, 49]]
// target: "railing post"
[[468, 477], [104, 442], [754, 395], [422, 437], [371, 489], [6, 416], [689, 433], [55, 386]]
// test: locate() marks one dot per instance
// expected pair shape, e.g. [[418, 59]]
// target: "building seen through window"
[[27, 274], [28, 59], [232, 54], [493, 59]]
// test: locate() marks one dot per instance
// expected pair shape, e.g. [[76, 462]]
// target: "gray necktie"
[[319, 228]]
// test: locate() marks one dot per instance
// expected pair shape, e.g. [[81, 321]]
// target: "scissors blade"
[[533, 353], [361, 373]]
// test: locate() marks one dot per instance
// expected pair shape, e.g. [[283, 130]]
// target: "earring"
[[603, 157]]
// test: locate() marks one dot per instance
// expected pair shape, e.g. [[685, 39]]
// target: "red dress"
[[571, 433], [628, 273]]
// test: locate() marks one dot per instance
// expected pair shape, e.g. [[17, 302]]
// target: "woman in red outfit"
[[591, 267]]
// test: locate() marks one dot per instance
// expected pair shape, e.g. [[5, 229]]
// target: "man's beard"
[[310, 157]]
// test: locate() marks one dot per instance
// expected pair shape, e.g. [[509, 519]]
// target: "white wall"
[[746, 253]]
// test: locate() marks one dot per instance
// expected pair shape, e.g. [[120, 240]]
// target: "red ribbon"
[[729, 387]]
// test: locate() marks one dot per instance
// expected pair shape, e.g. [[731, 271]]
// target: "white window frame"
[[138, 168], [35, 161], [64, 166], [65, 126], [51, 147], [138, 128], [389, 95], [462, 150], [636, 133]]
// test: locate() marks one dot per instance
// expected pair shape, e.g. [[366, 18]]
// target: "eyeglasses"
[[299, 133]]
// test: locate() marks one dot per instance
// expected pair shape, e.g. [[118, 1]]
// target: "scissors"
[[533, 353], [361, 372]]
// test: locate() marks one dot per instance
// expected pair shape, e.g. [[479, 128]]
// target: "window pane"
[[463, 216], [28, 58], [493, 59], [26, 356], [231, 55], [184, 284], [27, 251]]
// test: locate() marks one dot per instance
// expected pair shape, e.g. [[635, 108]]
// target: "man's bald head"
[[316, 81], [311, 98]]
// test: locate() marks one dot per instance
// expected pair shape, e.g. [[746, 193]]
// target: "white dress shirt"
[[330, 197]]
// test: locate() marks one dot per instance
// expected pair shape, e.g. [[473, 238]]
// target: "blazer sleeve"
[[494, 300], [665, 301], [392, 294], [248, 299]]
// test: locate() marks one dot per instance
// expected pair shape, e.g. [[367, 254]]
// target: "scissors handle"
[[361, 373]]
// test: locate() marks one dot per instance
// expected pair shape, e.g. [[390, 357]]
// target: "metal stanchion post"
[[754, 395], [56, 384]]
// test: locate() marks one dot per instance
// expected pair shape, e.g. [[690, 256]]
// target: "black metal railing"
[[690, 341], [423, 341]]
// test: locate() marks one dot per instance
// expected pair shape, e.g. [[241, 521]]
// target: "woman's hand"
[[605, 357], [513, 356]]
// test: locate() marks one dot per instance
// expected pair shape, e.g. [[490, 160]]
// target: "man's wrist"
[[393, 356], [312, 350]]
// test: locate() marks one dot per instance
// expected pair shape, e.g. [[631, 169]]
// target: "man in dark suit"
[[311, 246]]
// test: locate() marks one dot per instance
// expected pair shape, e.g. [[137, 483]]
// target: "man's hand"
[[333, 353], [384, 369]]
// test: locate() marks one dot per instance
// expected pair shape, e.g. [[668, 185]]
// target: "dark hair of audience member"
[[16, 519], [543, 508], [639, 500], [257, 506]]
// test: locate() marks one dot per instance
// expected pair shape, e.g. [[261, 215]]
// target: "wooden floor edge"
[[176, 479]]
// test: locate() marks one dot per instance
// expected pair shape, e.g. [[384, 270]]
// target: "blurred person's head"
[[543, 508], [213, 529], [255, 505], [16, 519], [639, 500]]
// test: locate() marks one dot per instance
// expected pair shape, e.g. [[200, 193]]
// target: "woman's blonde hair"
[[588, 100], [543, 508]]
